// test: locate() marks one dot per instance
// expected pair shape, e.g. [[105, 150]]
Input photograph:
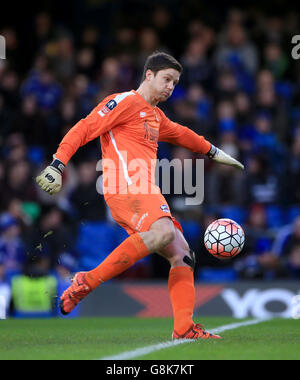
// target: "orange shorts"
[[136, 213]]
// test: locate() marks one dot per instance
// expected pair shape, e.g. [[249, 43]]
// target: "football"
[[224, 238]]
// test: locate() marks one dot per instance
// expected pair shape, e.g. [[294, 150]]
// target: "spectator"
[[161, 21], [17, 209], [292, 183], [197, 69], [262, 185], [87, 204], [275, 60], [281, 259], [237, 51], [86, 63], [44, 87], [10, 89], [269, 102], [2, 182], [293, 262], [125, 42], [36, 280], [63, 60], [30, 123], [287, 238], [12, 249], [19, 183], [258, 244], [242, 104], [110, 75], [6, 119], [5, 291], [149, 42], [265, 140], [50, 236], [225, 117], [224, 185], [226, 85], [43, 31]]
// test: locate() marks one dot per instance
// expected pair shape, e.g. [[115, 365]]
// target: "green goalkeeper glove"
[[221, 157], [50, 180]]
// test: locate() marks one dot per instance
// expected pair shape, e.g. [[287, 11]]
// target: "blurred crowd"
[[239, 88]]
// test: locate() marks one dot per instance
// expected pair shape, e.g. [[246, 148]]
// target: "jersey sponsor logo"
[[142, 114], [139, 224], [151, 134]]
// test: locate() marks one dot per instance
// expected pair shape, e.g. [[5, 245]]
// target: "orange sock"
[[182, 294], [123, 257]]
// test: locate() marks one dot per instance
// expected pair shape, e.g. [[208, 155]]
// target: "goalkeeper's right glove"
[[50, 180], [221, 157]]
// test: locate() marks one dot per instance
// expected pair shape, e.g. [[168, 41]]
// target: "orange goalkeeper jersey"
[[129, 129]]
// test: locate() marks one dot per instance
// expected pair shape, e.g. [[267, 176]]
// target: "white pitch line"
[[172, 343], [233, 326]]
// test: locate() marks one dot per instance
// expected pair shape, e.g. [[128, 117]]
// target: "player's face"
[[163, 83]]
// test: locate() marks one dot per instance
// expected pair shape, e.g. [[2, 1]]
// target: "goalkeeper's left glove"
[[221, 157], [50, 180]]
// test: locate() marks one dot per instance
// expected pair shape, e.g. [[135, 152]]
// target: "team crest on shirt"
[[164, 208]]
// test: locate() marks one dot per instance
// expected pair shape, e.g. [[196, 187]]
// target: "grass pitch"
[[95, 338]]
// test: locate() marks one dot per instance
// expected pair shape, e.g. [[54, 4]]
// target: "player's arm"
[[103, 118], [177, 134]]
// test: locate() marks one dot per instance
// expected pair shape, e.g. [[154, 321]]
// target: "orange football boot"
[[74, 294], [196, 331]]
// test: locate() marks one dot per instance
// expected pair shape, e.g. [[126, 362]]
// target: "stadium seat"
[[217, 275], [192, 231], [284, 89], [262, 245], [275, 216], [292, 213], [36, 155], [238, 214], [96, 240]]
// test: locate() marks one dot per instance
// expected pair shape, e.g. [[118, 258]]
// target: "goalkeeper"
[[129, 126]]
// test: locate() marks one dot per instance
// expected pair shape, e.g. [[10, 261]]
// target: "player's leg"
[[181, 281], [160, 234], [178, 252], [134, 248], [181, 288]]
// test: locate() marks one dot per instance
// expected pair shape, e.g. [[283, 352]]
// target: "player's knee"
[[164, 232], [164, 237], [167, 237]]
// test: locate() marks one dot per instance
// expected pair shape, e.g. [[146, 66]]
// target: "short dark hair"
[[160, 61]]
